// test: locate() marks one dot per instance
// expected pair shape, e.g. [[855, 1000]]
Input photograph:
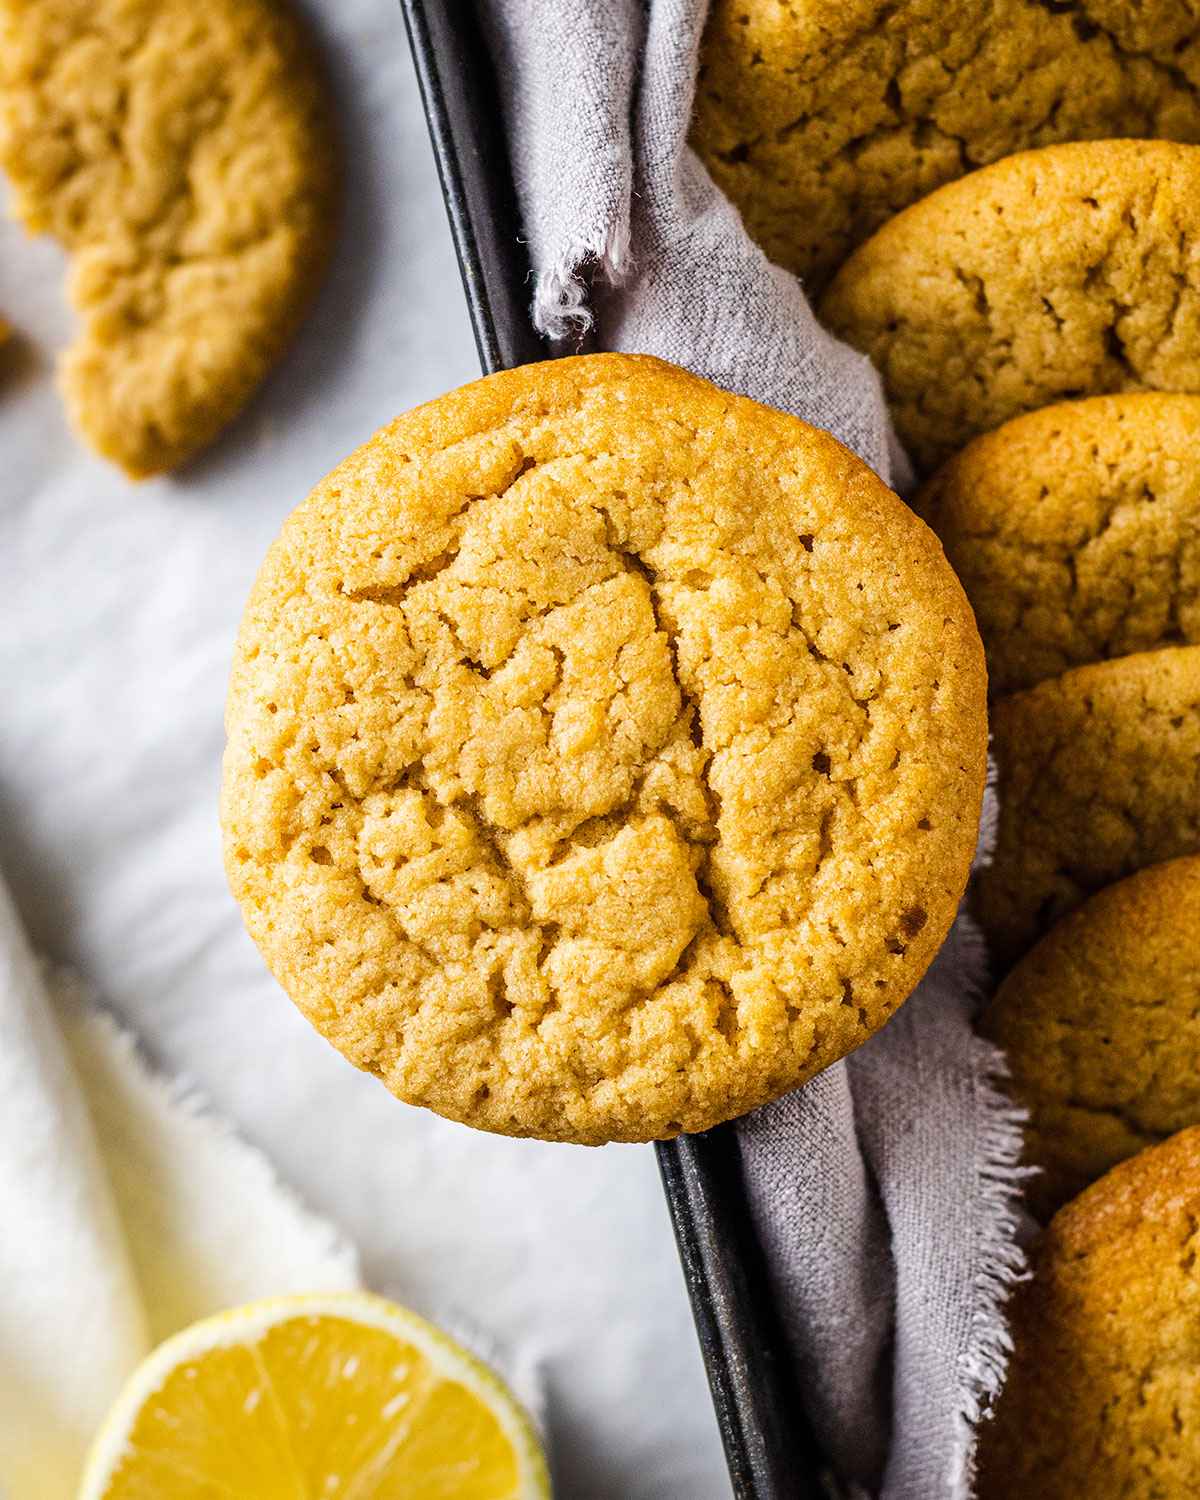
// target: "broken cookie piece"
[[184, 155]]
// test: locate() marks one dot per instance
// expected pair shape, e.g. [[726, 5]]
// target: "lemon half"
[[338, 1396]]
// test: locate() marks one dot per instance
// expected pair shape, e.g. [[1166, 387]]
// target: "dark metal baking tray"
[[767, 1441]]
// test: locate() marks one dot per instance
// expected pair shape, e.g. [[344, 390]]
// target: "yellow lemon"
[[326, 1397]]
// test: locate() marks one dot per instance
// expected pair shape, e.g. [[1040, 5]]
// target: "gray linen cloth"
[[884, 1193]]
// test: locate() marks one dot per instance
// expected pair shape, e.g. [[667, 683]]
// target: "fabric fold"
[[71, 1319], [127, 1210], [581, 229]]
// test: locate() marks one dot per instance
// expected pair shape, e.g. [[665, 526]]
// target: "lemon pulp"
[[337, 1397]]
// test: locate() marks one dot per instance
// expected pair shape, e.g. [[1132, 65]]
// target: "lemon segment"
[[328, 1397]]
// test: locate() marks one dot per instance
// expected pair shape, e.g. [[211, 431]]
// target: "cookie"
[[605, 753], [1099, 777], [1076, 532], [1101, 1027], [183, 154], [1069, 271], [1102, 1398], [821, 121]]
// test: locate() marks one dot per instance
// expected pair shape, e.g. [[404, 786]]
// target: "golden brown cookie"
[[1076, 532], [1099, 777], [1069, 271], [605, 752], [1101, 1027], [822, 120], [1102, 1400], [183, 154]]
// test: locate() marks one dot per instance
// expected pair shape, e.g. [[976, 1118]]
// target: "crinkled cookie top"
[[1100, 1024], [1069, 271], [605, 752], [1076, 532], [821, 120]]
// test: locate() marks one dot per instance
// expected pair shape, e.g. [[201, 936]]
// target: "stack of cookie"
[[1036, 324], [821, 121], [1072, 271]]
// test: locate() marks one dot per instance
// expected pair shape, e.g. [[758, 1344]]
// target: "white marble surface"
[[119, 608]]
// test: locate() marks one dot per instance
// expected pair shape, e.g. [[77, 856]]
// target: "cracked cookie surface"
[[821, 121], [1076, 532], [1069, 271], [1100, 1023], [183, 154], [1102, 1398], [605, 752], [1099, 776]]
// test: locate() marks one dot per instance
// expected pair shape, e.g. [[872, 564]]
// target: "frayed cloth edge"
[[1001, 1261], [561, 306]]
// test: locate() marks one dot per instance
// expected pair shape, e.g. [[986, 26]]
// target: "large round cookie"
[[1102, 1400], [1099, 777], [822, 120], [1069, 271], [1101, 1027], [1076, 532], [605, 752], [183, 153]]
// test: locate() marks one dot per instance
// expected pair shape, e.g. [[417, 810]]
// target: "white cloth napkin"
[[884, 1194], [126, 1211]]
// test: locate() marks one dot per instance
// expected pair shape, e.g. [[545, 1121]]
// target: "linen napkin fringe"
[[561, 309], [1000, 1258]]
